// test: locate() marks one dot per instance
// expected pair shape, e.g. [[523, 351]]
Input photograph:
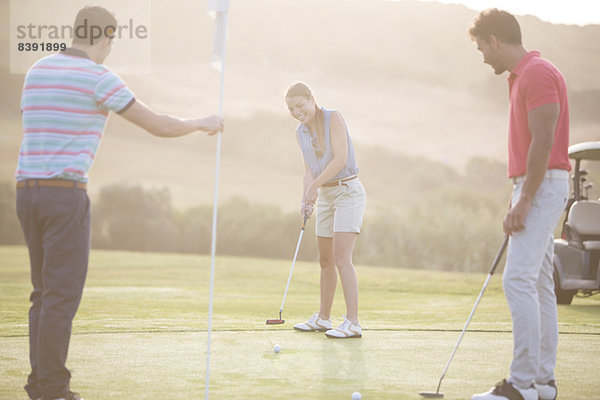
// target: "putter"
[[280, 320], [437, 394]]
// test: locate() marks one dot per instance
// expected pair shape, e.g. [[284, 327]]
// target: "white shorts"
[[340, 208]]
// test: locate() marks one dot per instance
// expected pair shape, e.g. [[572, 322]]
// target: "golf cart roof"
[[585, 151]]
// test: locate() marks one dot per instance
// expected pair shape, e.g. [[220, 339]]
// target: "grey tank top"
[[317, 165]]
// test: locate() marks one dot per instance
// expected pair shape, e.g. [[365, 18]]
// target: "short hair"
[[98, 17], [503, 25]]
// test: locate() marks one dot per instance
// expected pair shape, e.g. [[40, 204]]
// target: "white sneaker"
[[505, 390], [314, 323], [547, 391], [346, 330]]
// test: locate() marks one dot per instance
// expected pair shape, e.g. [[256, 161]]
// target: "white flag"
[[218, 9]]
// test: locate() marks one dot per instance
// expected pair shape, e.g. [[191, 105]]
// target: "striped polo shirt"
[[65, 103]]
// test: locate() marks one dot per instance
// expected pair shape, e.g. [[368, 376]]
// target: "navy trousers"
[[56, 225]]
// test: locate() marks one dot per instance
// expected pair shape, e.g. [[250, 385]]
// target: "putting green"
[[141, 332], [381, 365]]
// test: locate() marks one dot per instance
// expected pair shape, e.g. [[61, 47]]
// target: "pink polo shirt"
[[535, 82]]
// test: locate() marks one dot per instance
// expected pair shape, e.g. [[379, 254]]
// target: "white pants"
[[529, 285]]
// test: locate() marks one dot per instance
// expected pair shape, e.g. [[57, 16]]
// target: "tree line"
[[456, 227]]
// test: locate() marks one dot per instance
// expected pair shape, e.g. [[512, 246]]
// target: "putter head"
[[432, 395], [275, 321]]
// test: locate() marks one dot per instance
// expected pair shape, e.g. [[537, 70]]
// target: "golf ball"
[[356, 396], [277, 348]]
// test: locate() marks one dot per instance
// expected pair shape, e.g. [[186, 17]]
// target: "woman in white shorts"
[[332, 178]]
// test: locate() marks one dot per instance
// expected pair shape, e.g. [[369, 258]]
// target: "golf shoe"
[[547, 391], [314, 323], [346, 330], [70, 396], [505, 390]]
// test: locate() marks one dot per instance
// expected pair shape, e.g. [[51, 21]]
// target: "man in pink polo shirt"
[[538, 166]]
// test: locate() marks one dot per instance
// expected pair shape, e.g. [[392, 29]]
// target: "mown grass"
[[140, 332]]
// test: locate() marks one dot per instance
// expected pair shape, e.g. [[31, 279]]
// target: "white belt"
[[550, 174]]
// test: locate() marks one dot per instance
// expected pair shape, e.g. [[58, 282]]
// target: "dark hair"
[[302, 89], [97, 17], [503, 25]]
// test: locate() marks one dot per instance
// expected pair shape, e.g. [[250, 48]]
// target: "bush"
[[247, 229], [10, 228], [438, 233], [446, 221], [133, 218]]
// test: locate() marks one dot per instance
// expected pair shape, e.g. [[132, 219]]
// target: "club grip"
[[304, 221], [499, 254]]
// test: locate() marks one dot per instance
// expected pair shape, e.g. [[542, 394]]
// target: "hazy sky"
[[579, 12]]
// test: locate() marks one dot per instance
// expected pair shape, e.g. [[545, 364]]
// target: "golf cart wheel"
[[562, 296]]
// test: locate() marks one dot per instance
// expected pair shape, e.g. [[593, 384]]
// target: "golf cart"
[[577, 252]]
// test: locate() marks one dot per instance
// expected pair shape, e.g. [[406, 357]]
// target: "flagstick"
[[214, 222]]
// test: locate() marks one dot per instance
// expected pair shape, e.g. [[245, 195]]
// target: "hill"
[[404, 75]]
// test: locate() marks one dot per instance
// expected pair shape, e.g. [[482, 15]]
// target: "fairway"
[[140, 332]]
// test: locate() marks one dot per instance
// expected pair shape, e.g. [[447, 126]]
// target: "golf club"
[[280, 320], [437, 394]]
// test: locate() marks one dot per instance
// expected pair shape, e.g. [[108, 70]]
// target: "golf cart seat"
[[583, 225]]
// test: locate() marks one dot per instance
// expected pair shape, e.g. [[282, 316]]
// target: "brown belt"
[[340, 181], [62, 183]]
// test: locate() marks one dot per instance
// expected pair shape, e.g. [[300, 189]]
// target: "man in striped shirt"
[[65, 103]]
